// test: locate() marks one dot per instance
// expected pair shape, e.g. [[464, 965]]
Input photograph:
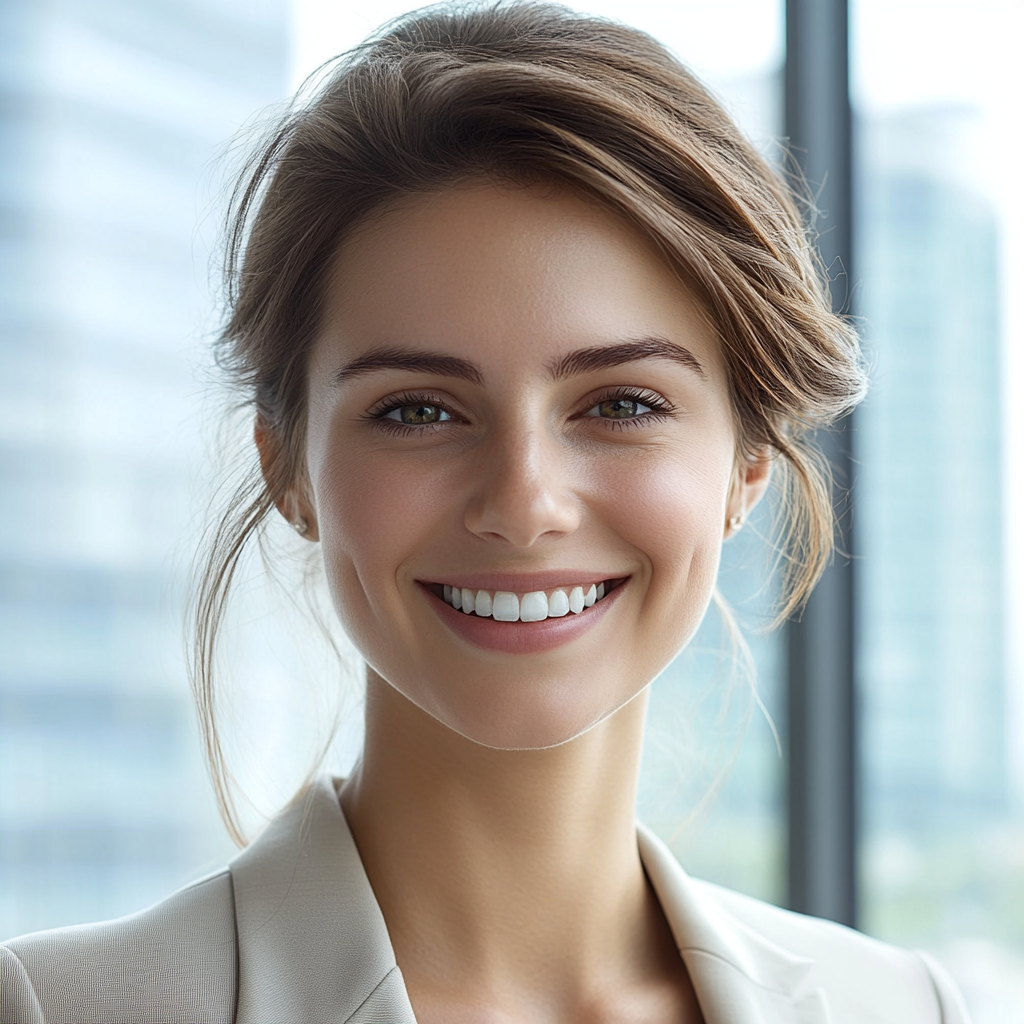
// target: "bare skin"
[[494, 803], [530, 903]]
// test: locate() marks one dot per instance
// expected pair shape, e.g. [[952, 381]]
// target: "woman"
[[527, 326]]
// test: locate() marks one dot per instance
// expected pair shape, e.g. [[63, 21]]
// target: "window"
[[108, 129], [107, 125], [938, 249]]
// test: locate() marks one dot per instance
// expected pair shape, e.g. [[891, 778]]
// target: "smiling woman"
[[512, 442], [527, 327]]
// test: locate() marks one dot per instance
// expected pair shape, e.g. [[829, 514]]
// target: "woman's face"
[[513, 398]]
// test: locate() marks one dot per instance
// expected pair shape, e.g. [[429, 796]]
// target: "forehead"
[[481, 270]]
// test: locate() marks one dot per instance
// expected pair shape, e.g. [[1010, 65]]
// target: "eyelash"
[[660, 408], [378, 414]]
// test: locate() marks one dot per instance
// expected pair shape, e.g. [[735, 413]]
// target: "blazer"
[[290, 932]]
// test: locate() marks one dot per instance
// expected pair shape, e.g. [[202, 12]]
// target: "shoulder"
[[175, 962], [861, 978]]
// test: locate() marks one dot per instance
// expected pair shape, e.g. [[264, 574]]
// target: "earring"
[[736, 524], [301, 526]]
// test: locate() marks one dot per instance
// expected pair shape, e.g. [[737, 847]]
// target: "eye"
[[619, 408], [625, 407], [417, 414]]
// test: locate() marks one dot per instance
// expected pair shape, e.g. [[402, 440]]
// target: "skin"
[[493, 806]]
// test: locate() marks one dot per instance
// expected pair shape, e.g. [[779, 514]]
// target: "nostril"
[[518, 509]]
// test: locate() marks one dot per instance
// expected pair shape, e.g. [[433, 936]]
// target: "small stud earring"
[[301, 526], [736, 524]]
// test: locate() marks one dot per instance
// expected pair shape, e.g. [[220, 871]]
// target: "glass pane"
[[108, 120], [940, 222]]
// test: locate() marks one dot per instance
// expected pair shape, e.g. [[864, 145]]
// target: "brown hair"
[[526, 92]]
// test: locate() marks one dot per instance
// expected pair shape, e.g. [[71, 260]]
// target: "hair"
[[525, 92]]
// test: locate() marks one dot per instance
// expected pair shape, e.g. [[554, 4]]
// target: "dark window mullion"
[[821, 701]]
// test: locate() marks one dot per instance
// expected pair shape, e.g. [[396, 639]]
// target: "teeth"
[[558, 605], [506, 607], [533, 607]]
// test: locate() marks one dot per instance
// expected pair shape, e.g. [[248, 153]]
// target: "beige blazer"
[[291, 932]]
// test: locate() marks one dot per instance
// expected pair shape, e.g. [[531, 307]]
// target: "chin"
[[528, 721]]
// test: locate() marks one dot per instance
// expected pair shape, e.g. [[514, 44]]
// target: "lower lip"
[[521, 637]]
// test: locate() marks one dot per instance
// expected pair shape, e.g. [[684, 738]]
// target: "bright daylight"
[[464, 543]]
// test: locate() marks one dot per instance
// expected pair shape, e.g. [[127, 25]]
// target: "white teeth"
[[506, 607], [534, 606]]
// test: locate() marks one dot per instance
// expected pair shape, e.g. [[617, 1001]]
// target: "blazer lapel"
[[739, 976], [312, 943]]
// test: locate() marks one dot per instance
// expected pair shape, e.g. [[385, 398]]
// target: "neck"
[[491, 866]]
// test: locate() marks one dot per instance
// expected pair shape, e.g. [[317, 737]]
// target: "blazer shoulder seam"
[[922, 959], [238, 955], [371, 993], [25, 972]]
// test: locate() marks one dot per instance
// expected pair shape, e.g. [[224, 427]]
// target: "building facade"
[[111, 117], [932, 668]]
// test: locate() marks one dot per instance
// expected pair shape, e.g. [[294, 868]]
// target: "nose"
[[524, 491]]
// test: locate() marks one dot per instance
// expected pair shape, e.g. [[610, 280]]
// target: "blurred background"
[[116, 121]]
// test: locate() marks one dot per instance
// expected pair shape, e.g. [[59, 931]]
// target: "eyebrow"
[[408, 359], [584, 360], [587, 360]]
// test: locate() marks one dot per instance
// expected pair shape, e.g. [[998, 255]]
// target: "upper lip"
[[526, 582]]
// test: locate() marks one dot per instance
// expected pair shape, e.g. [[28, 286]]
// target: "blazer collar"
[[740, 977], [313, 946]]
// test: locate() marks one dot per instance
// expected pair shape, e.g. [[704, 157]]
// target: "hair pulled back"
[[526, 92]]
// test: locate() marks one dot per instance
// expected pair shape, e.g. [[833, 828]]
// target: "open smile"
[[523, 621], [531, 606]]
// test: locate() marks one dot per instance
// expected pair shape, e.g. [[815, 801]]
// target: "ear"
[[750, 481], [293, 502]]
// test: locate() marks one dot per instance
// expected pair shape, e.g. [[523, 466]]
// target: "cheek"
[[372, 515], [673, 511]]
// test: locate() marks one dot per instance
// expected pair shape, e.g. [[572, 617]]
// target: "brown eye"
[[419, 415]]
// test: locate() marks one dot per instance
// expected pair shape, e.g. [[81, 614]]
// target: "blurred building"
[[933, 679], [111, 112]]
